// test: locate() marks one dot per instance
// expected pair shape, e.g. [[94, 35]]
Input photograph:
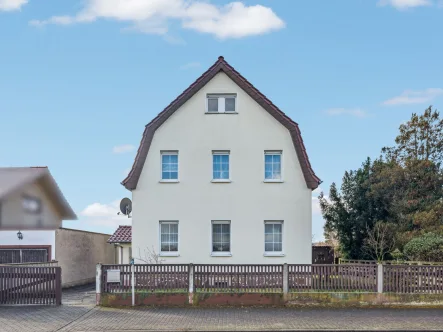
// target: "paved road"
[[78, 314]]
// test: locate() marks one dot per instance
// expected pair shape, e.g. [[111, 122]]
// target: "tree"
[[421, 138], [149, 256], [380, 241], [348, 214]]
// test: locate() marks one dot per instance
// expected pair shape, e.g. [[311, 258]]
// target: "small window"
[[31, 204], [220, 165], [273, 166], [221, 237], [221, 103], [273, 237], [169, 237], [169, 165]]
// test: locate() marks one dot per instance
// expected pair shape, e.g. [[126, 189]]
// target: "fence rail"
[[327, 277], [413, 279], [370, 262], [292, 278], [30, 285], [46, 264]]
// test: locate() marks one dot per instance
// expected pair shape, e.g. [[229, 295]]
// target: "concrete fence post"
[[98, 283], [380, 278], [285, 280], [191, 283]]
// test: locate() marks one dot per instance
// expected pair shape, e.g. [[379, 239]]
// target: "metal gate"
[[30, 285]]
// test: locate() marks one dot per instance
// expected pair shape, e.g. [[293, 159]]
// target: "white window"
[[273, 237], [169, 160], [273, 166], [221, 238], [220, 166], [221, 103], [169, 238]]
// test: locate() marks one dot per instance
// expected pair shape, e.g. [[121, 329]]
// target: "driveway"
[[78, 314]]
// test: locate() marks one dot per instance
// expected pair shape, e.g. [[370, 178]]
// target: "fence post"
[[58, 285], [98, 283], [285, 281], [191, 283], [380, 278]]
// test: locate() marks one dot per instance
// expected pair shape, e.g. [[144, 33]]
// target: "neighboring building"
[[30, 203], [121, 239], [222, 176], [322, 253], [32, 209]]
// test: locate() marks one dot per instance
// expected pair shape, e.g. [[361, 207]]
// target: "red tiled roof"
[[312, 181], [122, 235]]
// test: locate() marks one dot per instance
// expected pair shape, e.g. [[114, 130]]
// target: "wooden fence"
[[413, 279], [30, 285], [238, 278], [147, 278], [332, 278]]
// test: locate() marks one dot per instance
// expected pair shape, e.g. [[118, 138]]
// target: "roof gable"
[[130, 182], [13, 179]]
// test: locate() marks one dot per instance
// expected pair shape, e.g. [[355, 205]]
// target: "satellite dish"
[[126, 206]]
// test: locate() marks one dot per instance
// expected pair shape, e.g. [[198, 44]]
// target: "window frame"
[[221, 253], [274, 253], [168, 253], [273, 152], [222, 153], [31, 199], [170, 153], [221, 97]]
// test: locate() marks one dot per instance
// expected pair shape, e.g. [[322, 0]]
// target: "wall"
[[247, 201], [78, 252], [14, 216], [9, 238], [123, 253]]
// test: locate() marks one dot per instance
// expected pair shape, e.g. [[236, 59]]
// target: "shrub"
[[427, 247]]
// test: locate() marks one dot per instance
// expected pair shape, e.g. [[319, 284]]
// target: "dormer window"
[[221, 103]]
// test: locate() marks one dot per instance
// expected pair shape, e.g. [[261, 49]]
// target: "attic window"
[[221, 103], [31, 204]]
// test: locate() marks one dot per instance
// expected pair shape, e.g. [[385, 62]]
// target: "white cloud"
[[315, 201], [123, 148], [415, 97], [190, 65], [234, 20], [357, 112], [104, 215], [405, 4], [10, 5]]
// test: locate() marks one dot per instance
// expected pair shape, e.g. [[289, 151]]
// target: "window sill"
[[169, 254], [221, 112], [168, 181], [274, 254], [221, 254], [221, 181], [273, 181]]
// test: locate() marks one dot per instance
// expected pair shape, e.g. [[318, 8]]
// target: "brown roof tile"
[[123, 234], [312, 181]]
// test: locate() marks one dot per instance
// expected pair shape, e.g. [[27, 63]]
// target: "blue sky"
[[79, 79]]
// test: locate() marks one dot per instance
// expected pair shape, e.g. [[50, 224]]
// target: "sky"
[[79, 80]]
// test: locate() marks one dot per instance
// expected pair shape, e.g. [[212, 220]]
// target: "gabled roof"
[[14, 178], [312, 181], [123, 234]]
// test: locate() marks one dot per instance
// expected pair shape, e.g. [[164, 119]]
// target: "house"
[[121, 239], [222, 176], [32, 210]]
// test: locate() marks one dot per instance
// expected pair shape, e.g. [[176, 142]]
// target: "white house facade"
[[222, 177]]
